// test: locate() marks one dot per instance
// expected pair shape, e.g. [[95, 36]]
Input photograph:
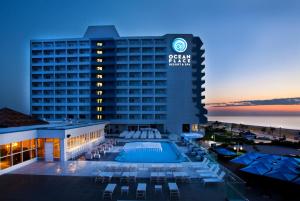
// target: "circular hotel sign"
[[179, 45]]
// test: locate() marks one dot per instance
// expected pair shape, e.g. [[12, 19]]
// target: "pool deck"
[[90, 168]]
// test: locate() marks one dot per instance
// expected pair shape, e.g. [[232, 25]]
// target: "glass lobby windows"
[[17, 152], [77, 141], [5, 156], [41, 147]]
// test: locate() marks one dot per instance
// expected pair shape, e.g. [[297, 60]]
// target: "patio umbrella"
[[244, 160], [297, 180], [281, 174], [257, 168], [247, 158]]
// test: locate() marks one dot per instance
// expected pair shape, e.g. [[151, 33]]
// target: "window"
[[99, 100], [99, 116], [99, 93], [17, 152], [99, 76], [99, 84], [99, 44], [99, 52], [99, 60], [99, 109], [99, 67]]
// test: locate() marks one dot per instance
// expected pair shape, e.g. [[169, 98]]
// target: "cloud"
[[279, 101]]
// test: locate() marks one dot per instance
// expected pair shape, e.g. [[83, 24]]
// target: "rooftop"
[[12, 118], [63, 125]]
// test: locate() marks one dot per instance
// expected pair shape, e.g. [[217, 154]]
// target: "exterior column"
[[63, 147]]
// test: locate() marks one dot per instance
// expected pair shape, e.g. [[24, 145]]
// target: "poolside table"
[[174, 191], [106, 175], [109, 190], [141, 191]]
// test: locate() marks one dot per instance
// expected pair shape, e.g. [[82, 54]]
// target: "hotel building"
[[133, 82]]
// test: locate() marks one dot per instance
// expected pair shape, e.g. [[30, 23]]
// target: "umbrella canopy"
[[297, 180], [281, 174], [257, 168], [247, 158], [244, 160]]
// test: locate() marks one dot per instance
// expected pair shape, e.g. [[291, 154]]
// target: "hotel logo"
[[179, 45]]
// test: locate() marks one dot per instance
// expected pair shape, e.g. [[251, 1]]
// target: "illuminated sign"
[[179, 45]]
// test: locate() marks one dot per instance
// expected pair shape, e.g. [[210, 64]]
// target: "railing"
[[234, 186]]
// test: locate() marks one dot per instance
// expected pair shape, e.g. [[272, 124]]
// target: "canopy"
[[281, 174], [297, 180], [258, 169], [248, 158]]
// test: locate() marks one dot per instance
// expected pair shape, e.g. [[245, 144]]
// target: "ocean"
[[290, 122]]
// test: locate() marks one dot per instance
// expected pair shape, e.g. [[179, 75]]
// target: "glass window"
[[5, 162], [41, 148], [33, 153], [56, 148], [17, 158], [26, 155], [16, 147], [26, 145], [33, 143], [5, 150]]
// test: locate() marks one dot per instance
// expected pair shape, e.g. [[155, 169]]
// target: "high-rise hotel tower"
[[147, 81]]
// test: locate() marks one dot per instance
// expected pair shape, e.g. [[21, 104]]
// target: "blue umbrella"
[[281, 174], [257, 168], [247, 158], [297, 180]]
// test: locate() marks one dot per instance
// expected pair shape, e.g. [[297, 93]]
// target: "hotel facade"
[[132, 82]]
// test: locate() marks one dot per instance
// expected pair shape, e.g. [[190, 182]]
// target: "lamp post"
[[213, 137], [238, 148]]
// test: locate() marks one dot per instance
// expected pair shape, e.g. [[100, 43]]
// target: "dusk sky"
[[252, 47]]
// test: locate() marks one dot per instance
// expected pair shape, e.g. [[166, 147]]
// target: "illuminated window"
[[99, 52], [99, 93], [99, 76], [99, 109], [99, 44], [99, 84], [99, 100], [99, 67], [99, 116], [195, 127], [99, 60]]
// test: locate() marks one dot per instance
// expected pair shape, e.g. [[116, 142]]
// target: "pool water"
[[156, 152]]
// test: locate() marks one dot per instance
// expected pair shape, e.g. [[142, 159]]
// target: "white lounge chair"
[[108, 192], [141, 191], [213, 173], [218, 179]]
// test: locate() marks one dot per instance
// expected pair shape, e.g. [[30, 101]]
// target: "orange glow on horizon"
[[260, 108]]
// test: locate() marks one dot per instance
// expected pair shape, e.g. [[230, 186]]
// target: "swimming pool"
[[150, 152]]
